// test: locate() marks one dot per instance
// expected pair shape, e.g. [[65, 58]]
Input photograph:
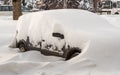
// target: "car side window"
[[58, 35]]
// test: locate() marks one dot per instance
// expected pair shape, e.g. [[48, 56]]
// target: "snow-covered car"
[[66, 33]]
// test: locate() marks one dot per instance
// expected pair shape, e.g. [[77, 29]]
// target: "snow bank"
[[100, 55], [70, 22], [113, 19], [97, 37]]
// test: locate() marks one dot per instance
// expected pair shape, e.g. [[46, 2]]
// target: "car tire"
[[75, 54], [72, 53], [22, 47]]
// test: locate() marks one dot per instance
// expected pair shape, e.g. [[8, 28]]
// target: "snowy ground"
[[12, 62]]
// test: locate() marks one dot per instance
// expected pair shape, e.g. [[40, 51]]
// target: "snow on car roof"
[[73, 17], [67, 21]]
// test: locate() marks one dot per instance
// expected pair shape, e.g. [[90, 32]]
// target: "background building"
[[5, 5]]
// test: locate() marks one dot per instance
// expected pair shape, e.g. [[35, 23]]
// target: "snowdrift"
[[100, 55], [71, 23], [95, 36]]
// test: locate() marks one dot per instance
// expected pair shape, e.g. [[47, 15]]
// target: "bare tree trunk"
[[65, 4], [95, 5], [16, 9]]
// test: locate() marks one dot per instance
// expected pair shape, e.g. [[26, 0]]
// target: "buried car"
[[64, 32]]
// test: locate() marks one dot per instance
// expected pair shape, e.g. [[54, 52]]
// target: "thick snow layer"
[[88, 28], [93, 61], [113, 19]]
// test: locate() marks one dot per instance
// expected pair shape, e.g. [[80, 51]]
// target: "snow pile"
[[71, 23], [113, 19], [100, 55]]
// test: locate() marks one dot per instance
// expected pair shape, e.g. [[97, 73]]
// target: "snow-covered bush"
[[59, 4]]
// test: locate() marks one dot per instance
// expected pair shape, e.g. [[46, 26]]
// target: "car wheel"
[[22, 48], [75, 54], [72, 53]]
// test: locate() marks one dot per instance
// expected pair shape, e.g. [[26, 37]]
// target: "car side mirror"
[[58, 35]]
